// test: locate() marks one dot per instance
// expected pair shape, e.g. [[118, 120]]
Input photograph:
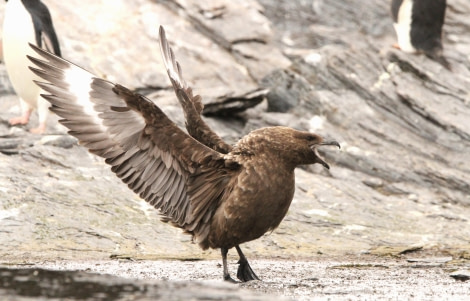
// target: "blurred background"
[[401, 182]]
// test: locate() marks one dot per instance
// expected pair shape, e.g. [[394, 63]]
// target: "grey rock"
[[230, 105], [5, 84], [287, 90], [461, 275], [64, 141], [46, 284], [402, 176]]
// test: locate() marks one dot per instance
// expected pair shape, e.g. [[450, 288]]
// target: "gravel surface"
[[357, 278]]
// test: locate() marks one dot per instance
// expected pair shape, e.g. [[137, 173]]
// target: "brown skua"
[[222, 195]]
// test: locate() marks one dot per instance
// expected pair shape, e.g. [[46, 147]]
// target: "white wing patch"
[[79, 82]]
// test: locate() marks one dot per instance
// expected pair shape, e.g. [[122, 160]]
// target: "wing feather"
[[192, 105], [144, 148]]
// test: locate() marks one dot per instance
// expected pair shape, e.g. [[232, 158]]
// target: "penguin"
[[418, 24], [27, 21]]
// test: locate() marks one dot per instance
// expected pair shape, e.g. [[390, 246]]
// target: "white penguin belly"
[[18, 31], [403, 26]]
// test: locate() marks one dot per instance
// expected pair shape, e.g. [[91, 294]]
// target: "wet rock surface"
[[346, 278], [42, 284], [400, 185]]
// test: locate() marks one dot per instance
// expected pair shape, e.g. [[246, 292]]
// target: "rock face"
[[402, 178]]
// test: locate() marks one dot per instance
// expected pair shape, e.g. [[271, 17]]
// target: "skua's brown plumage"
[[222, 195]]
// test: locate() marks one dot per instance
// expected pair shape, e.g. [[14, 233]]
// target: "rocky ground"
[[400, 184], [325, 278]]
